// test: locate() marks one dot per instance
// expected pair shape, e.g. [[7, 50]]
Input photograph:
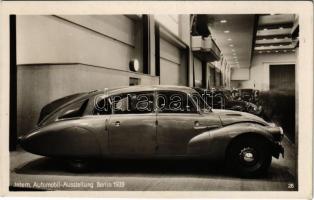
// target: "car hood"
[[230, 117]]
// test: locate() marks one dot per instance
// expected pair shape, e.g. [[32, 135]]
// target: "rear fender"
[[75, 138]]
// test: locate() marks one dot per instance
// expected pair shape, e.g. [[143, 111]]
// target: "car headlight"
[[252, 106]]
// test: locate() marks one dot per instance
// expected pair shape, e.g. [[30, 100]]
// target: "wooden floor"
[[30, 171]]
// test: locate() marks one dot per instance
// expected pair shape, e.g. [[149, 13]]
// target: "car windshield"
[[201, 104]]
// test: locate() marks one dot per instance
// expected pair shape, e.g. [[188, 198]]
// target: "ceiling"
[[233, 35], [276, 33], [239, 36]]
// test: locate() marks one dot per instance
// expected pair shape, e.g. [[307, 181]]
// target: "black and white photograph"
[[154, 102]]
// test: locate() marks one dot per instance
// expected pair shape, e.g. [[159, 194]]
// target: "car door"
[[179, 120], [132, 126]]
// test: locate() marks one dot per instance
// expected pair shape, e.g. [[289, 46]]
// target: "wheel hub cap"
[[247, 154]]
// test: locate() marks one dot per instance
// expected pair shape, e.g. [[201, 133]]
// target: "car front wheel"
[[249, 157]]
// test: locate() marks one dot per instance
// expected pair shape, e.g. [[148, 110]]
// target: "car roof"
[[140, 88]]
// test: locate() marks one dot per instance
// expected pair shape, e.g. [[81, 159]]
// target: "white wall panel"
[[169, 73], [240, 74], [171, 22], [119, 27], [198, 72], [169, 51], [48, 39]]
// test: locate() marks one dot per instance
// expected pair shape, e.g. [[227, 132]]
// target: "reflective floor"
[[34, 172]]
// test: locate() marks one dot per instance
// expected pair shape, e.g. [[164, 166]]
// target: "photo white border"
[[304, 74]]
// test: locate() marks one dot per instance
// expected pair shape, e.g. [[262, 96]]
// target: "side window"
[[102, 106], [132, 103], [175, 102]]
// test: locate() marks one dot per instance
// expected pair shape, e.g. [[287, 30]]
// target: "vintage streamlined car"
[[152, 122]]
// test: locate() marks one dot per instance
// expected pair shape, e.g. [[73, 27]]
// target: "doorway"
[[282, 77], [282, 90]]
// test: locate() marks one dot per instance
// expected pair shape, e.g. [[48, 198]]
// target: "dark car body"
[[249, 95], [222, 99], [148, 122]]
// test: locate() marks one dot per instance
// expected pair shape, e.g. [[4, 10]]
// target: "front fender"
[[214, 143]]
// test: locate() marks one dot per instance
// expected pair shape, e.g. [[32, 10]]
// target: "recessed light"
[[276, 51], [281, 27], [264, 38], [233, 50], [231, 45], [280, 45], [226, 31], [229, 39], [275, 38], [265, 29], [223, 21]]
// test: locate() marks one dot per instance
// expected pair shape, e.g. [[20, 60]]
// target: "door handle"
[[117, 123], [205, 127]]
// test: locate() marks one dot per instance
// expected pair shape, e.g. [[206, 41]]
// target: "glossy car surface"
[[152, 122]]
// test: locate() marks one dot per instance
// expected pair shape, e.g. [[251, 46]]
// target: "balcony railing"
[[205, 48]]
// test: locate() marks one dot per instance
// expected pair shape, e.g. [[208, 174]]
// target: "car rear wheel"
[[249, 157]]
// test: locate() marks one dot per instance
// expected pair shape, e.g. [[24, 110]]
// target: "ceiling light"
[[281, 27], [260, 52], [229, 39], [226, 31], [268, 51], [265, 29], [280, 45], [293, 50], [275, 38], [231, 45], [264, 38], [276, 51], [233, 50], [223, 21], [284, 50]]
